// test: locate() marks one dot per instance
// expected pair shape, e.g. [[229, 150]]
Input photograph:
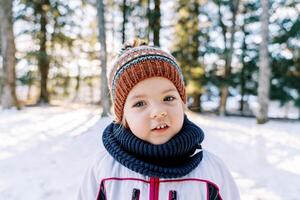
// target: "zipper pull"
[[135, 194], [172, 195]]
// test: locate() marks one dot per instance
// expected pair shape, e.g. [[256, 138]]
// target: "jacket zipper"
[[154, 188]]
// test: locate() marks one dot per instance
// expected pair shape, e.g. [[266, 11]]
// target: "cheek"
[[137, 125], [179, 109], [177, 115], [135, 121]]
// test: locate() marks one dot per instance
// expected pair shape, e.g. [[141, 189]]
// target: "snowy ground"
[[44, 152]]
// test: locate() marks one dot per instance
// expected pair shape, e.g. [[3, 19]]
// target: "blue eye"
[[169, 98], [139, 104]]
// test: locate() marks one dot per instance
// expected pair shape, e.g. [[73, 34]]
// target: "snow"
[[275, 110], [44, 152], [264, 159]]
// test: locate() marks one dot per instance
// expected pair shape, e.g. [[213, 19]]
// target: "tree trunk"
[[103, 58], [156, 23], [223, 99], [124, 12], [8, 48], [91, 87], [242, 75], [234, 5], [196, 105], [242, 79], [1, 75], [77, 87], [29, 92], [43, 59], [1, 69], [149, 21], [264, 69], [111, 4]]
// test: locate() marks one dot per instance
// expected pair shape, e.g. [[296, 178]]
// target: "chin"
[[158, 142]]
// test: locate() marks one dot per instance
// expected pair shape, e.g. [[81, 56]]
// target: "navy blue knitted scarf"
[[175, 158]]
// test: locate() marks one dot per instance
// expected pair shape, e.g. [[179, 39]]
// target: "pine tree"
[[156, 22], [186, 49], [249, 58], [285, 86], [125, 20], [228, 51], [46, 13]]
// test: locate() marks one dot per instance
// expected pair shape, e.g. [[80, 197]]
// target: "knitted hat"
[[139, 63]]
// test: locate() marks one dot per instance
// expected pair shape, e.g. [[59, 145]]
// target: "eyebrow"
[[142, 95]]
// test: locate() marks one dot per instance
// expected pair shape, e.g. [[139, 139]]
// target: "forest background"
[[238, 57]]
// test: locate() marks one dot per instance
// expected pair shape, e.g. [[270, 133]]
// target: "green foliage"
[[198, 39], [137, 14], [48, 23], [186, 47], [285, 61], [58, 19], [29, 78], [286, 33], [61, 84]]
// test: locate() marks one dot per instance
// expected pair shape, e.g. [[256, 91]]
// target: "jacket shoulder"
[[98, 169], [102, 161], [213, 169]]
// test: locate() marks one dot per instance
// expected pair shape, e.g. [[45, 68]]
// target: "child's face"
[[151, 103]]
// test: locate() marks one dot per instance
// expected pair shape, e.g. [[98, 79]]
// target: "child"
[[152, 150]]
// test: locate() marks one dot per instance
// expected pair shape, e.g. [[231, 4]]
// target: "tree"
[[125, 20], [155, 24], [186, 50], [47, 19], [28, 79], [125, 12], [228, 52], [103, 58], [264, 70], [285, 59], [140, 13], [248, 57], [146, 21], [9, 98], [43, 58], [1, 72]]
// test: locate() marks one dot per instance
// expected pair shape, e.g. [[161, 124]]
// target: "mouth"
[[160, 127]]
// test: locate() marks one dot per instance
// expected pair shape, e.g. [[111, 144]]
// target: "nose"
[[158, 114]]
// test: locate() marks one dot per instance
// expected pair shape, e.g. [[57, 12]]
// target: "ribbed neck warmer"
[[175, 158]]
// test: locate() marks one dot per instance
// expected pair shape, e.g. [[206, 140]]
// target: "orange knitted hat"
[[136, 64]]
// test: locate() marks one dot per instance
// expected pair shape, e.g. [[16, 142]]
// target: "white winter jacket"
[[107, 179]]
